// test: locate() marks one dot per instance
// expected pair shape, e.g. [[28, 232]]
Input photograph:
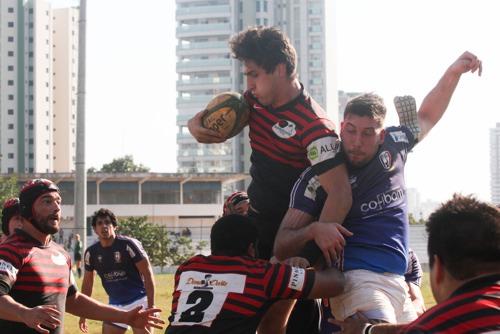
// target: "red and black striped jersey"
[[284, 141], [33, 275], [230, 294], [473, 308]]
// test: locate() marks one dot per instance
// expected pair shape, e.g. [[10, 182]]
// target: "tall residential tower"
[[35, 44]]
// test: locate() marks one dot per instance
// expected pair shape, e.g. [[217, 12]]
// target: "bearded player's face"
[[47, 212], [361, 138]]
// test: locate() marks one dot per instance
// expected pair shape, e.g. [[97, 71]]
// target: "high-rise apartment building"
[[31, 83], [205, 67], [495, 163]]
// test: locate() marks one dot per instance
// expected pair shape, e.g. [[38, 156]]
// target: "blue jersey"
[[116, 267], [378, 216]]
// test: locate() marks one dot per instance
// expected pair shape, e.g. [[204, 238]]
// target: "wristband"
[[368, 329]]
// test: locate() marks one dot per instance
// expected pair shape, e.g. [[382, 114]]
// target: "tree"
[[123, 165], [163, 248], [8, 188]]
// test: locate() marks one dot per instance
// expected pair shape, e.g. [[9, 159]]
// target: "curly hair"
[[267, 47], [103, 213], [464, 234]]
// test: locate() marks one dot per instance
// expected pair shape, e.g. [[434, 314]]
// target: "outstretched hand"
[[42, 318], [201, 134], [467, 62], [139, 318]]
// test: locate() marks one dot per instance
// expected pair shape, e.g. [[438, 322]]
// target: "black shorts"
[[78, 257]]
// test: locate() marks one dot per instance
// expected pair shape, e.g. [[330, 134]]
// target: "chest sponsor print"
[[285, 129]]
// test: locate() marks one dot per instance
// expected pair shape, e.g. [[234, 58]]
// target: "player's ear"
[[251, 250]]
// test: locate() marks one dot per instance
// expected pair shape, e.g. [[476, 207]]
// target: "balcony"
[[204, 83], [204, 65], [202, 12], [204, 29], [203, 48], [192, 101]]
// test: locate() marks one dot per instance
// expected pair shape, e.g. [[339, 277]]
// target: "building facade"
[[30, 85], [205, 67], [495, 164]]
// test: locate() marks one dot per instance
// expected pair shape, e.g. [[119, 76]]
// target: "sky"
[[390, 47]]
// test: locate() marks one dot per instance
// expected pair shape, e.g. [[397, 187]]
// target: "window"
[[10, 111], [30, 112], [10, 24], [10, 126], [30, 126], [11, 97], [30, 141], [10, 82], [10, 155], [10, 39], [10, 68], [10, 53], [31, 156], [10, 10], [10, 170], [10, 141]]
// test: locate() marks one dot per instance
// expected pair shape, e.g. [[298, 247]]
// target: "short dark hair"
[[265, 46], [368, 104], [231, 235], [103, 213], [465, 234]]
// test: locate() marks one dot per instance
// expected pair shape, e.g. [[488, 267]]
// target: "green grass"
[[163, 299]]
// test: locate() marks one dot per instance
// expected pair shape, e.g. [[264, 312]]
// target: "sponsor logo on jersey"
[[297, 278], [383, 200], [207, 283], [385, 159], [311, 188], [284, 129], [116, 275], [118, 257], [323, 149], [9, 269], [58, 259], [399, 137]]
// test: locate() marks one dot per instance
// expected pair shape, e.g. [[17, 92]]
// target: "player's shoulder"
[[126, 241], [398, 134]]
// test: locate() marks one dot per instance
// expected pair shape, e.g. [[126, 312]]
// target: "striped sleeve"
[[10, 262], [287, 282]]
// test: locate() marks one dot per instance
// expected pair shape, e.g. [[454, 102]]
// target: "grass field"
[[163, 299]]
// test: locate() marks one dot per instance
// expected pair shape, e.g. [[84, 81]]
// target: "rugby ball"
[[227, 114]]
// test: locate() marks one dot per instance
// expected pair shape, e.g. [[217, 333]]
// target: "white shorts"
[[409, 311], [377, 296], [127, 307]]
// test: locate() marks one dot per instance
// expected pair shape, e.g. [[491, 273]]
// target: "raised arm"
[[435, 103]]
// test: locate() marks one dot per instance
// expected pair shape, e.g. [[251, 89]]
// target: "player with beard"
[[36, 284], [124, 268]]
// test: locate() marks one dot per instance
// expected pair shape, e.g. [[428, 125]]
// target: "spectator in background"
[[236, 203], [77, 254]]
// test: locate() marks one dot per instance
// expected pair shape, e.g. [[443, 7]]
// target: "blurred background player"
[[11, 217], [77, 255], [124, 268]]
